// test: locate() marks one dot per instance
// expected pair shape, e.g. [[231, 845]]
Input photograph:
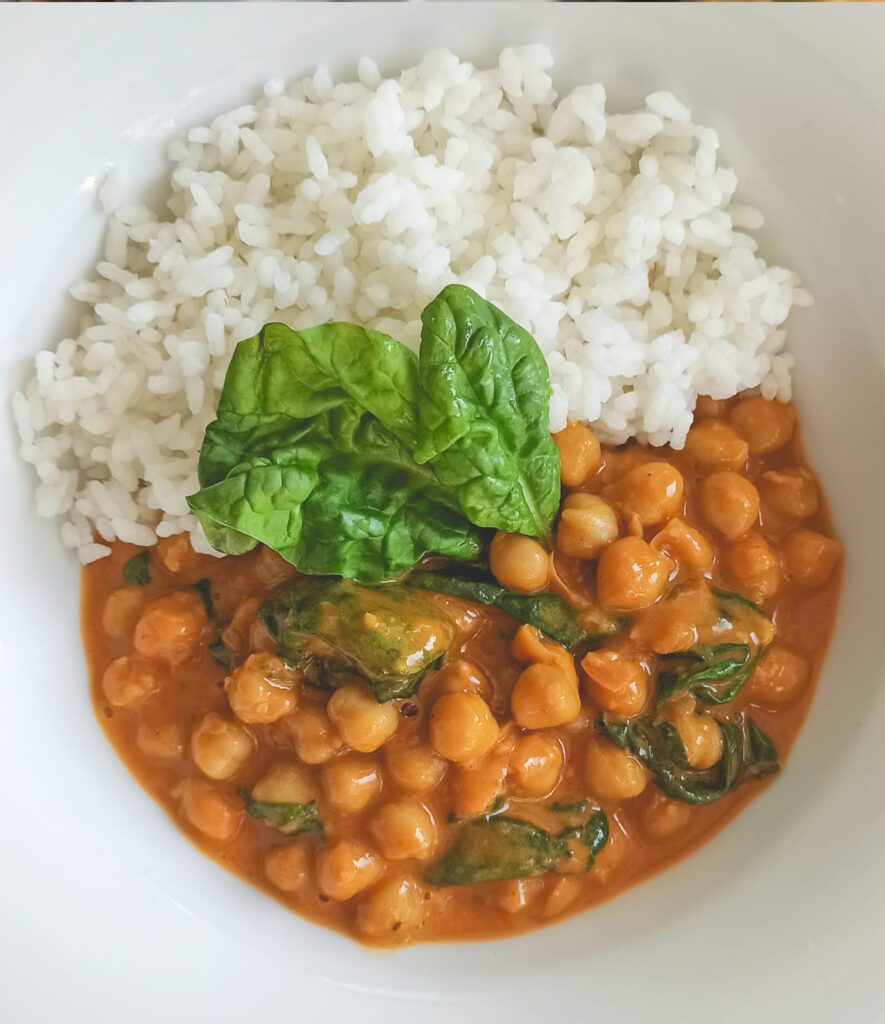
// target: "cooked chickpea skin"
[[535, 764], [612, 773], [809, 558], [403, 829], [544, 696], [518, 563], [475, 786], [730, 503], [351, 783], [173, 627], [688, 547], [586, 525], [792, 492], [615, 681], [209, 810], [313, 735], [396, 907], [161, 742], [652, 493], [463, 676], [263, 689], [779, 679], [129, 680], [766, 425], [754, 567], [462, 727], [347, 867], [288, 867], [363, 723], [413, 765], [716, 445], [666, 628], [663, 818], [220, 748], [631, 575], [518, 894], [285, 783], [121, 612], [580, 454], [701, 737]]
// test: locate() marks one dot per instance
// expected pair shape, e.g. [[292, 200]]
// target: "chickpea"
[[351, 783], [236, 633], [730, 503], [580, 454], [363, 723], [688, 547], [313, 735], [615, 681], [518, 894], [612, 773], [562, 895], [631, 575], [535, 764], [477, 786], [754, 567], [716, 445], [121, 612], [346, 868], [129, 680], [779, 678], [462, 727], [544, 696], [288, 867], [791, 493], [652, 493], [613, 855], [587, 524], [161, 742], [463, 676], [412, 765], [263, 689], [809, 558], [518, 563], [530, 645], [701, 737], [767, 425], [709, 408], [395, 908], [285, 783], [404, 829], [663, 818], [209, 810], [176, 554], [173, 627], [220, 748]]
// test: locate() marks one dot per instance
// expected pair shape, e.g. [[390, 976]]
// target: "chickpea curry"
[[498, 736]]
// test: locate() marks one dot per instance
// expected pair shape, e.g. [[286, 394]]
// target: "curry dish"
[[473, 754]]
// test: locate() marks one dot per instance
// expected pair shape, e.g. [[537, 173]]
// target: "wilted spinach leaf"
[[135, 570], [291, 819]]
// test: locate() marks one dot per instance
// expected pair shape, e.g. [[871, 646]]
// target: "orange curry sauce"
[[362, 875]]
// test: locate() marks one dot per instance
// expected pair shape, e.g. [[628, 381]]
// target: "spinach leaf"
[[291, 819], [135, 570], [729, 664], [747, 754], [391, 635], [311, 454], [204, 589], [576, 807], [494, 849], [547, 612], [483, 414]]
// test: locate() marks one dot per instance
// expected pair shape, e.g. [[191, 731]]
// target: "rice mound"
[[611, 236]]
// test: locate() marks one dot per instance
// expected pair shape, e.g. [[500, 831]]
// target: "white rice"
[[611, 236]]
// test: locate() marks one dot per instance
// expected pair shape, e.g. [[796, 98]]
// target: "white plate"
[[108, 913]]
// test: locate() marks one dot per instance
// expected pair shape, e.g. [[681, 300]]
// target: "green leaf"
[[747, 754], [311, 454], [576, 807], [135, 570], [547, 612], [593, 834], [391, 635], [483, 414], [204, 589], [291, 819], [721, 663]]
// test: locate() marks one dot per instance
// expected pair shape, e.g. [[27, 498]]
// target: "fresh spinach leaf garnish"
[[319, 451], [747, 754], [391, 635], [497, 848], [135, 570], [291, 819], [547, 612]]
